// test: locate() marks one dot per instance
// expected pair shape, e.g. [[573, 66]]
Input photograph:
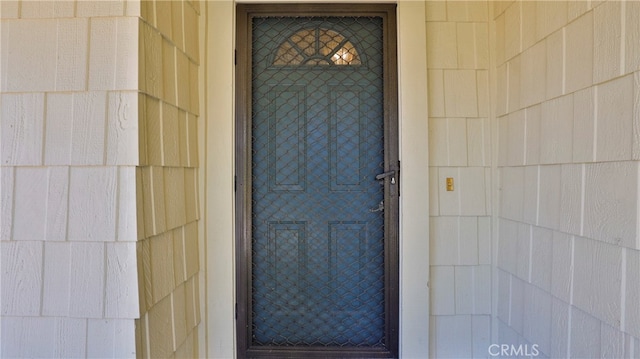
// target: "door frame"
[[216, 303], [243, 213]]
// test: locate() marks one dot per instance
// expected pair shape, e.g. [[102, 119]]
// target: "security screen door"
[[318, 182]]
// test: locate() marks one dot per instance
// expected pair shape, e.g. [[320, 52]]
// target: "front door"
[[318, 182]]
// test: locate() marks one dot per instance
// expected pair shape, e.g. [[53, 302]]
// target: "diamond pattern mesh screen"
[[317, 145]]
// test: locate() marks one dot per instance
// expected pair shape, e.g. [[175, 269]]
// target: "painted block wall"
[[69, 138], [167, 187], [568, 115], [459, 148]]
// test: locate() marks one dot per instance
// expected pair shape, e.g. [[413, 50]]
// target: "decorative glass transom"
[[317, 46]]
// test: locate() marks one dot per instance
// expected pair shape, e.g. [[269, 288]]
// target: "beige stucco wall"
[[568, 251], [167, 180]]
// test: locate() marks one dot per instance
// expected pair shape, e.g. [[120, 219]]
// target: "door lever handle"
[[384, 175]]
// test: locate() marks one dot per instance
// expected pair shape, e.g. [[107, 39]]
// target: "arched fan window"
[[317, 46]]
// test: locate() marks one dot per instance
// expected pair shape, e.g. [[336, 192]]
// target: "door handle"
[[384, 175]]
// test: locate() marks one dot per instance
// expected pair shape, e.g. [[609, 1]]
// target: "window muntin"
[[317, 46]]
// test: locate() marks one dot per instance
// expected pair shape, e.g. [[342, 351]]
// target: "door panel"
[[347, 138], [286, 138], [317, 254]]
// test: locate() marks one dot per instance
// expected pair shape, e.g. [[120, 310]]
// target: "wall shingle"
[[22, 263]]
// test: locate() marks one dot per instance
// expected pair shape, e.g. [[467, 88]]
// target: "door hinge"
[[235, 57], [236, 311], [235, 183]]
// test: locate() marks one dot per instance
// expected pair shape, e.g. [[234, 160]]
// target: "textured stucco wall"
[[167, 190], [568, 107], [459, 148], [69, 131]]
